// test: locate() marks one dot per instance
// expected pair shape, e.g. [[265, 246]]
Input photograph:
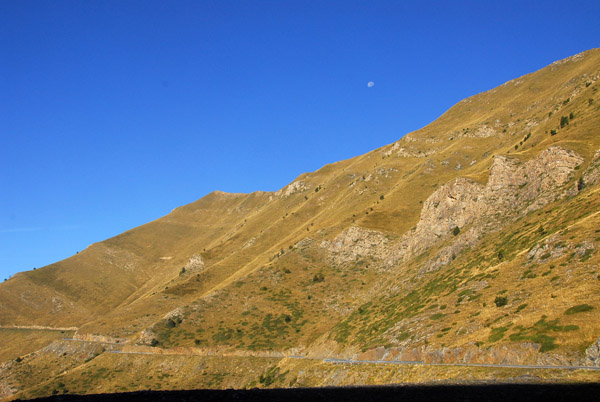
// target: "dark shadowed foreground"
[[497, 392]]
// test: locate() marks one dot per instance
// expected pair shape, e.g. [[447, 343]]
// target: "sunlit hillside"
[[473, 240]]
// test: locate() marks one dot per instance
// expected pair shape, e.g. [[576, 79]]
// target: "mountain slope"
[[473, 239]]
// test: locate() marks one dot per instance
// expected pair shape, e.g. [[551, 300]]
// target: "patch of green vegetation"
[[521, 307], [587, 255], [538, 333], [546, 341], [580, 308], [500, 301], [271, 376], [528, 274], [498, 333]]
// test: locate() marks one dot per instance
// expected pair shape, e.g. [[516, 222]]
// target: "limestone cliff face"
[[355, 243], [514, 188]]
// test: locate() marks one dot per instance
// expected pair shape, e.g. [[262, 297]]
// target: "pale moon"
[[370, 84]]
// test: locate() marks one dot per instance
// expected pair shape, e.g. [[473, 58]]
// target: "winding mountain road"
[[394, 362]]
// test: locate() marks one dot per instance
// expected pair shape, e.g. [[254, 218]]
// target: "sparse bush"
[[553, 132], [571, 116], [564, 120], [381, 197], [580, 184], [521, 307], [500, 301], [456, 231], [580, 308], [318, 277]]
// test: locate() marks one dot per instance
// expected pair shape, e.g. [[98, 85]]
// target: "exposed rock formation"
[[354, 243], [592, 354], [196, 263], [513, 189]]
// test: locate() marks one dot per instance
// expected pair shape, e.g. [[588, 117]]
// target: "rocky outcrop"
[[592, 354], [513, 189], [195, 264], [592, 173], [465, 210], [293, 188], [525, 353], [355, 243], [409, 152], [517, 353]]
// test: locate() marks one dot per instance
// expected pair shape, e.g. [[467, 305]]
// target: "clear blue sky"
[[112, 113]]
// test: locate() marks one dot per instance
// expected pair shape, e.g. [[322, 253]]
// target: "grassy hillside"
[[473, 239]]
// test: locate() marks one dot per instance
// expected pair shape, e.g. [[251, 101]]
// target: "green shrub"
[[546, 341], [456, 231], [564, 120], [497, 333], [580, 308], [501, 301], [521, 307]]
